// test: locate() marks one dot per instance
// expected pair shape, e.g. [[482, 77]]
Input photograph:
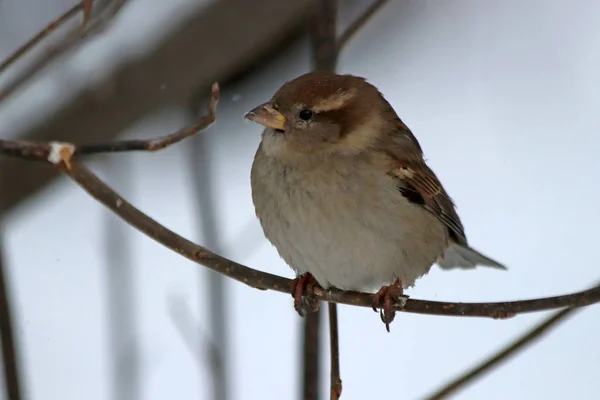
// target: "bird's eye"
[[305, 115]]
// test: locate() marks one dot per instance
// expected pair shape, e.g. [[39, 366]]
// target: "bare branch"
[[359, 23], [31, 43], [510, 350], [48, 152], [72, 38], [12, 381], [336, 380], [159, 143]]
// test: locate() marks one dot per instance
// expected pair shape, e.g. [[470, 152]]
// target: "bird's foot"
[[385, 299], [303, 292]]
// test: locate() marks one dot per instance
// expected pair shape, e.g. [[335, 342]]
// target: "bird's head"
[[321, 114]]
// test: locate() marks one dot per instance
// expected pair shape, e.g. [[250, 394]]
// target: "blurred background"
[[503, 96]]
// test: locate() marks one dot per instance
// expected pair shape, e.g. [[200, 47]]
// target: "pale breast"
[[346, 223]]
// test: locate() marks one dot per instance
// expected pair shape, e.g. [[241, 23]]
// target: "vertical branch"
[[201, 164], [12, 383], [325, 54], [336, 381], [311, 382], [120, 286], [323, 35]]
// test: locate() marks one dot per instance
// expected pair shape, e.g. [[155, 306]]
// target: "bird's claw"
[[303, 292], [385, 299]]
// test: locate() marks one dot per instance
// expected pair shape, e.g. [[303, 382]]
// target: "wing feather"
[[418, 183]]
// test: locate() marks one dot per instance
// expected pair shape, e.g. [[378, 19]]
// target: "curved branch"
[[61, 155]]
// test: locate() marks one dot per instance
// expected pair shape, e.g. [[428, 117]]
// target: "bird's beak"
[[266, 115]]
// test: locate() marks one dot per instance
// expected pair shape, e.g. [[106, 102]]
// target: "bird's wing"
[[417, 182]]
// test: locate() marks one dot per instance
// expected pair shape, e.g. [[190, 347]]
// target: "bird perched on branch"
[[342, 191]]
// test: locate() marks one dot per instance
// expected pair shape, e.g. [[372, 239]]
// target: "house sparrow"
[[342, 191]]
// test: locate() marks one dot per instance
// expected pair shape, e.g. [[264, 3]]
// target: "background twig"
[[494, 361], [35, 40], [121, 287], [72, 38], [359, 23], [12, 380], [213, 285]]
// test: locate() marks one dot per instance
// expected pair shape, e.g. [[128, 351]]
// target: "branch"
[[75, 36], [359, 23], [50, 151], [12, 381], [62, 157], [510, 350], [35, 40], [336, 381]]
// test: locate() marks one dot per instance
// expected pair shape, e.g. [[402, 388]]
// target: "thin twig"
[[61, 156], [12, 381], [159, 143], [72, 38], [194, 336], [31, 43], [359, 23], [41, 152], [510, 350], [336, 380]]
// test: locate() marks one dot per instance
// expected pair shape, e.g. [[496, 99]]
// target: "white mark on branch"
[[60, 151]]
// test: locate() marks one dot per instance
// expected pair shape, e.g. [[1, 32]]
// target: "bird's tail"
[[462, 256]]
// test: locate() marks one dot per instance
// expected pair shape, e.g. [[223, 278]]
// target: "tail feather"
[[462, 256]]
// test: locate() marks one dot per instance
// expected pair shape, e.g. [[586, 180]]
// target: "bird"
[[341, 189]]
